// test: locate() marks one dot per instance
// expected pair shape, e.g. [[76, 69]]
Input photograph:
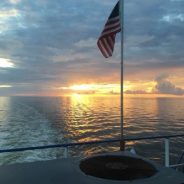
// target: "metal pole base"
[[122, 145]]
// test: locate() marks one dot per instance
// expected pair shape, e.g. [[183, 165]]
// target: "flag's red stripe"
[[101, 47], [113, 26], [113, 30], [106, 49], [106, 40], [106, 45]]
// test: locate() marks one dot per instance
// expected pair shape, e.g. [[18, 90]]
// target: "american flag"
[[106, 40]]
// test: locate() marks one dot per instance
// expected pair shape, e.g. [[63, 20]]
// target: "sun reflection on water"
[[91, 117], [79, 98]]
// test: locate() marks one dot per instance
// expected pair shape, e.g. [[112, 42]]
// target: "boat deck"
[[67, 171]]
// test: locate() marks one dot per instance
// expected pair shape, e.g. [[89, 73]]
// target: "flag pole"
[[121, 13]]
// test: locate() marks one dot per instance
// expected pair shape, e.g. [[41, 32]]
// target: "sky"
[[48, 48]]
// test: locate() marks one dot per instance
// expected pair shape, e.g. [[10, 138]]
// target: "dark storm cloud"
[[157, 29]]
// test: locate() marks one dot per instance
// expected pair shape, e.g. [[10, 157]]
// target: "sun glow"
[[82, 87], [96, 88], [6, 63], [129, 87]]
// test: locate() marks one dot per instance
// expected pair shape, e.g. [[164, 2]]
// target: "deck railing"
[[126, 139]]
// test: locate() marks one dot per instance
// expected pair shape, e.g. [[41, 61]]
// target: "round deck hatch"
[[117, 167]]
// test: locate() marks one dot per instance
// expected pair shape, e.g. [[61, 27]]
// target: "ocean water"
[[37, 121]]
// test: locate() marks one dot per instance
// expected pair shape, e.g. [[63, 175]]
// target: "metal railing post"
[[166, 152], [66, 152]]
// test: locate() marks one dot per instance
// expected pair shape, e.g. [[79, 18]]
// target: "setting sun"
[[97, 88], [129, 87]]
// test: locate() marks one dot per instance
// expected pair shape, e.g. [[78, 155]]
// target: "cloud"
[[15, 1], [52, 43], [157, 37], [161, 85], [172, 18], [134, 92], [161, 77], [164, 86], [91, 42], [5, 86], [6, 63], [8, 13]]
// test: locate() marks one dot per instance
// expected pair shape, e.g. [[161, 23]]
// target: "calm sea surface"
[[36, 121]]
